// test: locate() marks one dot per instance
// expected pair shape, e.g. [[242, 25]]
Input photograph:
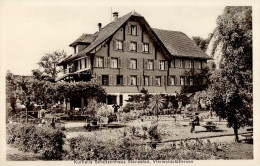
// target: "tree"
[[202, 43], [10, 90], [157, 102], [49, 63], [230, 91]]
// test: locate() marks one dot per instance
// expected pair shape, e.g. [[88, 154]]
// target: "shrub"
[[89, 148], [45, 141]]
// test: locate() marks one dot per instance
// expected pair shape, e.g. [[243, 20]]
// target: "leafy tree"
[[87, 90], [10, 90], [230, 92], [49, 63], [202, 43]]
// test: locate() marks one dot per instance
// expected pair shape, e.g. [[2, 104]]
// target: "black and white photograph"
[[129, 82]]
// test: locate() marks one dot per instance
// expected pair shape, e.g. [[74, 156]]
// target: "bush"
[[89, 148], [45, 141]]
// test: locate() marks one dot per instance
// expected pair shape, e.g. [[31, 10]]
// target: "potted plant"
[[154, 134]]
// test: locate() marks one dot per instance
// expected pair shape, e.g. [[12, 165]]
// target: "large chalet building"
[[127, 55]]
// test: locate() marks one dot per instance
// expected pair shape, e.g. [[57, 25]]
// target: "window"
[[119, 45], [172, 80], [65, 69], [182, 80], [200, 65], [114, 62], [119, 80], [133, 46], [133, 30], [150, 64], [181, 63], [146, 48], [146, 80], [87, 63], [158, 81], [105, 80], [111, 99], [133, 80], [191, 81], [162, 65], [100, 62], [133, 64], [191, 64], [83, 66]]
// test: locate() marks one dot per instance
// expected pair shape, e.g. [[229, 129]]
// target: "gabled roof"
[[179, 44], [176, 43], [84, 39]]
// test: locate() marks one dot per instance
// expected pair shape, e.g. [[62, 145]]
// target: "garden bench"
[[211, 127], [248, 137]]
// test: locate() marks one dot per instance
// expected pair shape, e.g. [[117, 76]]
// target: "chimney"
[[115, 15], [99, 26]]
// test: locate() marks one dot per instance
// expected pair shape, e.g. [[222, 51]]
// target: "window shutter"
[[129, 29], [108, 62], [177, 63], [95, 62], [186, 62], [166, 65], [100, 79], [129, 80], [177, 81], [128, 45], [114, 44], [138, 64], [138, 80], [151, 80], [124, 80], [187, 81], [169, 80], [155, 65], [162, 83], [138, 30], [110, 80], [124, 46], [115, 79], [105, 61], [145, 64], [173, 63], [139, 47], [150, 48], [142, 47], [128, 64], [119, 62], [142, 81]]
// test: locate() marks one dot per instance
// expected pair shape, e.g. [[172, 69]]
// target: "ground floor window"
[[182, 80], [133, 80], [172, 80], [111, 99], [146, 80]]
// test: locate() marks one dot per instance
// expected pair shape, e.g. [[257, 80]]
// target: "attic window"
[[133, 30]]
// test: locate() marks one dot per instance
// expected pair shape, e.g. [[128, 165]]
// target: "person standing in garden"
[[195, 122]]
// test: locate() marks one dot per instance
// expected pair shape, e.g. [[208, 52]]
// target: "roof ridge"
[[167, 30]]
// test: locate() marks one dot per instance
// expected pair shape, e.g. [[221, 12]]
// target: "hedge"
[[44, 141]]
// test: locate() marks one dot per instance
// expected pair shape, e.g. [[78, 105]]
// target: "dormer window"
[[133, 30]]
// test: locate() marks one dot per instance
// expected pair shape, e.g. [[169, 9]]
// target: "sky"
[[28, 30]]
